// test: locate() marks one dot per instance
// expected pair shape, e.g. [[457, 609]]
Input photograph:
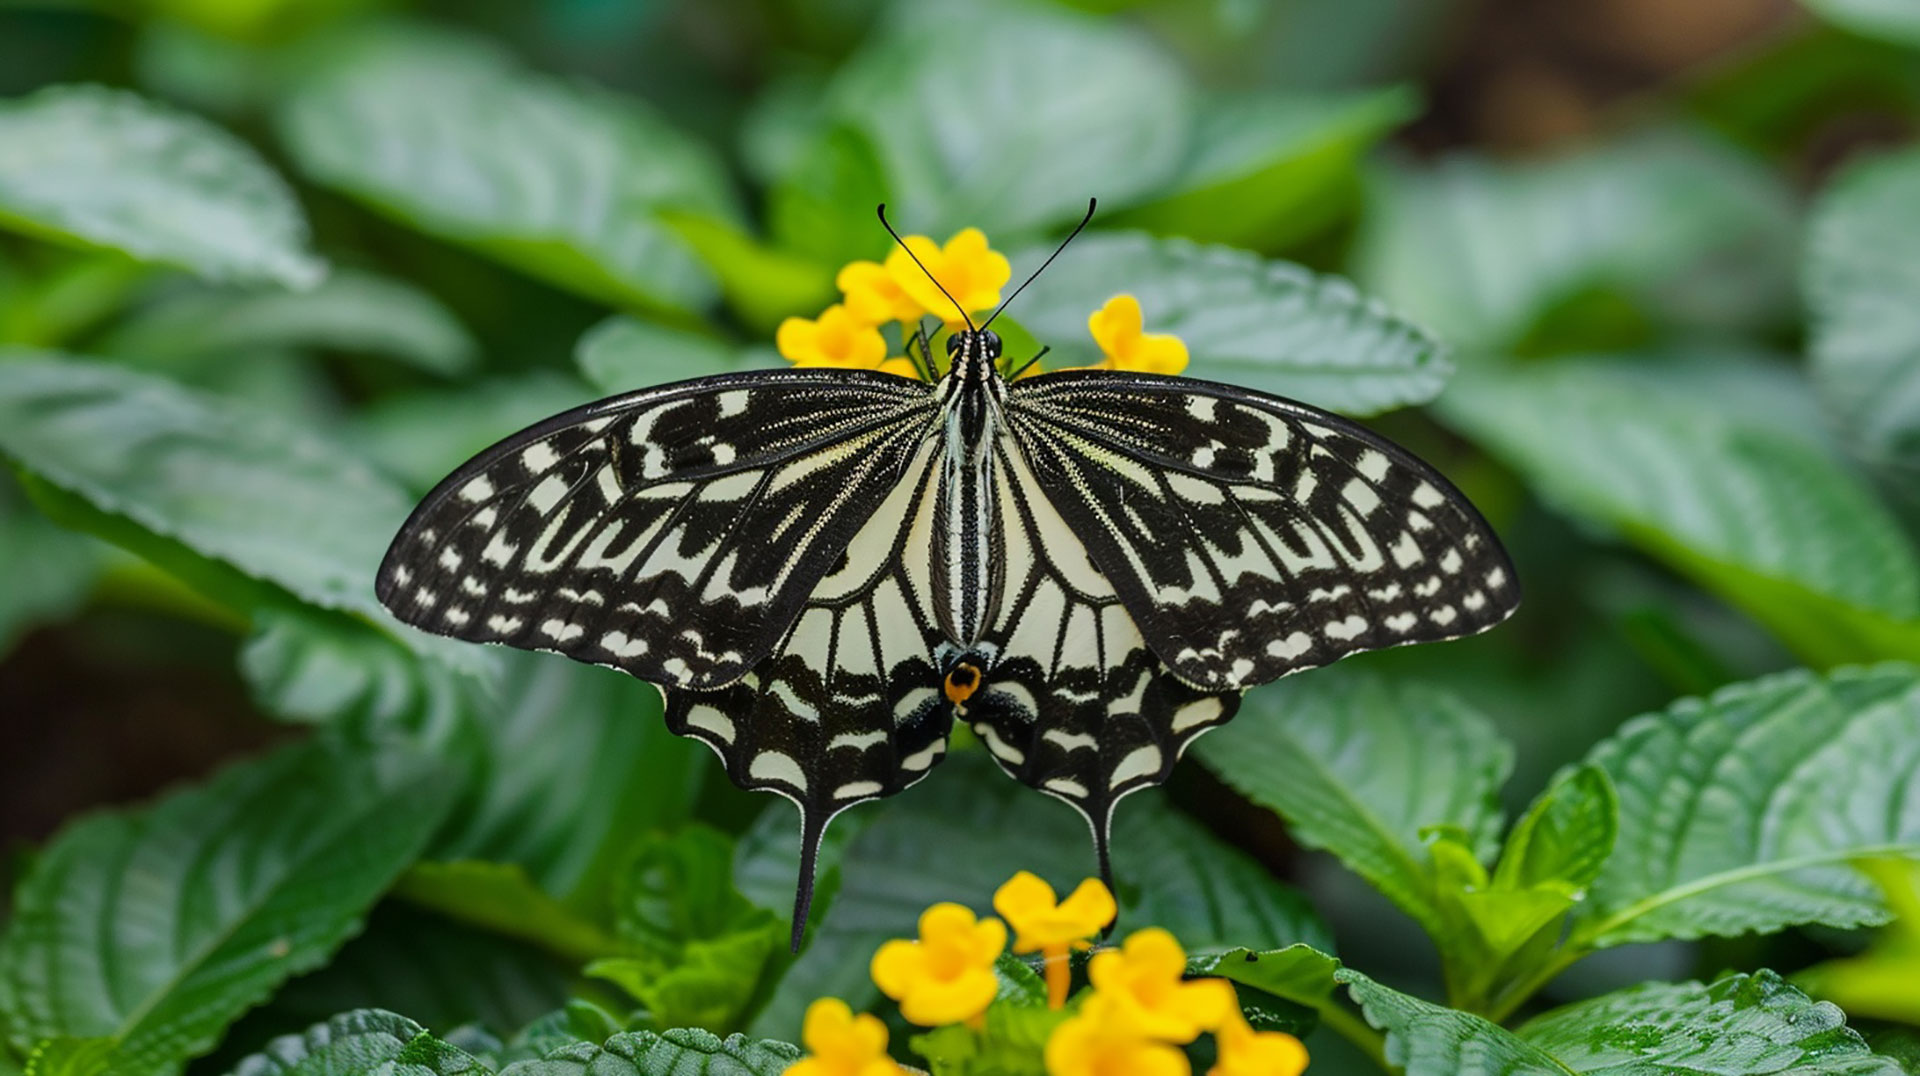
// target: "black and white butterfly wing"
[[848, 705], [1075, 704], [1249, 536], [672, 533]]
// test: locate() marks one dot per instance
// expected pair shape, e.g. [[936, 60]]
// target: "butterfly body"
[[823, 569]]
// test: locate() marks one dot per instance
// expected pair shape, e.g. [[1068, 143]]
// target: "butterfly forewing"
[[1252, 537], [671, 533]]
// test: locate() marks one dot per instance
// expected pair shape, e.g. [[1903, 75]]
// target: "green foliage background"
[[269, 268]]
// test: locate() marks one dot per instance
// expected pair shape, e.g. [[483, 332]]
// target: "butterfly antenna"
[[1025, 366], [923, 267], [1091, 202]]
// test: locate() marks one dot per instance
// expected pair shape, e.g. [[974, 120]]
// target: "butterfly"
[[823, 569]]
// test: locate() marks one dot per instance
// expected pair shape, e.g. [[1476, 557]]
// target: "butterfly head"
[[973, 354]]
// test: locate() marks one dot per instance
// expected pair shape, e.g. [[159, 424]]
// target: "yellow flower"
[[946, 977], [900, 366], [1246, 1052], [1052, 927], [1098, 1041], [842, 1044], [835, 338], [873, 296], [971, 271], [1144, 979], [1116, 327]]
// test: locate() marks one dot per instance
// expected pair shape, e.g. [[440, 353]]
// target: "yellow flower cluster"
[[875, 294], [1140, 1010]]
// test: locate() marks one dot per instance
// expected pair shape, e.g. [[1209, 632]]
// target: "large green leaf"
[[421, 437], [563, 181], [274, 503], [681, 1052], [973, 138], [1268, 325], [1742, 811], [967, 829], [1266, 170], [1891, 20], [155, 928], [359, 1043], [1360, 765], [410, 960], [577, 763], [1671, 455], [108, 168], [1862, 272], [1686, 231], [54, 568], [352, 311], [501, 898], [1740, 1024], [622, 354]]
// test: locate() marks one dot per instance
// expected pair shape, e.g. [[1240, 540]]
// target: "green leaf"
[[1743, 1023], [1268, 170], [762, 284], [1878, 983], [1861, 273], [1299, 977], [420, 437], [250, 494], [576, 763], [1566, 836], [353, 311], [1268, 325], [977, 143], [71, 1057], [822, 203], [108, 168], [1359, 765], [411, 960], [1889, 20], [499, 897], [562, 181], [1741, 812], [697, 945], [359, 1043], [1669, 456], [680, 1052], [622, 354], [1686, 231], [157, 927], [312, 666], [64, 566], [965, 831]]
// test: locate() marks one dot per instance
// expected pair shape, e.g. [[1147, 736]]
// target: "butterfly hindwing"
[[1074, 703], [671, 533], [1251, 536]]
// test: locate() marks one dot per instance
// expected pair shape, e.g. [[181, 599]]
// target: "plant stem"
[[1349, 1026], [1517, 993]]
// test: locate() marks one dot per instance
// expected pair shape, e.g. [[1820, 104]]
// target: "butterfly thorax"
[[966, 569]]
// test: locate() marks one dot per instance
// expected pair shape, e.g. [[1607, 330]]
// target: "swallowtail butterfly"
[[823, 569]]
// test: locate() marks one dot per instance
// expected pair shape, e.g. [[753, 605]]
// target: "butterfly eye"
[[955, 343], [990, 342]]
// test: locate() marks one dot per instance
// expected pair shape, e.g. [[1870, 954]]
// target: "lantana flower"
[[1100, 1040], [1118, 328], [1246, 1052], [946, 976], [835, 338], [972, 272], [1051, 927], [1144, 980], [871, 294], [842, 1044]]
